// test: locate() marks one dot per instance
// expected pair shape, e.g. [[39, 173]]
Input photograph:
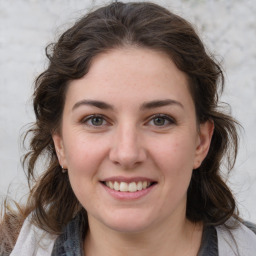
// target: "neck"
[[179, 238]]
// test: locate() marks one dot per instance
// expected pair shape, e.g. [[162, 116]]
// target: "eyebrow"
[[94, 103], [160, 103], [144, 106]]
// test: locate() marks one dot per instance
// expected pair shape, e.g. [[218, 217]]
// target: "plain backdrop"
[[227, 27]]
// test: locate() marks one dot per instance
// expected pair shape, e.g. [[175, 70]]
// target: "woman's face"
[[130, 140]]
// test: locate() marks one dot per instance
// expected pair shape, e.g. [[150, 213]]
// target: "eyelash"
[[88, 119], [164, 117]]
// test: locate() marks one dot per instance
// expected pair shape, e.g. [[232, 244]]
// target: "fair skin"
[[130, 141]]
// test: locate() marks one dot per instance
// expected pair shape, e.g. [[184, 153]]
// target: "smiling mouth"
[[128, 187]]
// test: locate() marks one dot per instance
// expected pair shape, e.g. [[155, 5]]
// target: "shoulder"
[[33, 241], [241, 239], [70, 241], [10, 225], [250, 225]]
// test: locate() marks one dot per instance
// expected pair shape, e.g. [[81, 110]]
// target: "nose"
[[127, 149]]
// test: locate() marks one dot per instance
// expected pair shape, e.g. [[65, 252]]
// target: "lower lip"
[[128, 195]]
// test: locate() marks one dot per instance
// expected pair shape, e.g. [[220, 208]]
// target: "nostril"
[[127, 158]]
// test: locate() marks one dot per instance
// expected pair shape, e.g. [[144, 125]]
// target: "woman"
[[129, 124]]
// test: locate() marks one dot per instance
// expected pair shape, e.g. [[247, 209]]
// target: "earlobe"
[[204, 142], [58, 144]]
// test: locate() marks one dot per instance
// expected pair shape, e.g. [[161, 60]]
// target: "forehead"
[[131, 74]]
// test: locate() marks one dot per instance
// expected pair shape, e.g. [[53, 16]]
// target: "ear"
[[204, 141], [59, 147]]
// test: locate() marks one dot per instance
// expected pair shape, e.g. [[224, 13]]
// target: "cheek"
[[175, 160], [175, 154], [84, 160], [84, 153]]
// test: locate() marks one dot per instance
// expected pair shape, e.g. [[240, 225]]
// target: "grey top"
[[69, 243]]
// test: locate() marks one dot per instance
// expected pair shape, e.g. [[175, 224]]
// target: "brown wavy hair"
[[117, 25]]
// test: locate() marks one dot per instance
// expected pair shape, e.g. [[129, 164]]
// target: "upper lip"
[[128, 179]]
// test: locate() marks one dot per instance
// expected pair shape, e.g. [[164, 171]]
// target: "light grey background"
[[228, 27]]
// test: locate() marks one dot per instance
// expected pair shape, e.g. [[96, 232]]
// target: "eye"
[[95, 121], [161, 120]]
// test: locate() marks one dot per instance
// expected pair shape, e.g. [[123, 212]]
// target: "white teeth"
[[116, 186], [125, 187], [132, 187], [139, 185], [111, 184]]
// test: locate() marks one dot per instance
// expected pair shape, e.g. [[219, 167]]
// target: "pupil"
[[159, 121], [97, 121]]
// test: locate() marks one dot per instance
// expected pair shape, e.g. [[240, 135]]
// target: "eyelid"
[[85, 120], [171, 121], [167, 117]]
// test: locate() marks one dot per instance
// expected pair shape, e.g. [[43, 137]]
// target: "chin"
[[128, 223], [128, 227]]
